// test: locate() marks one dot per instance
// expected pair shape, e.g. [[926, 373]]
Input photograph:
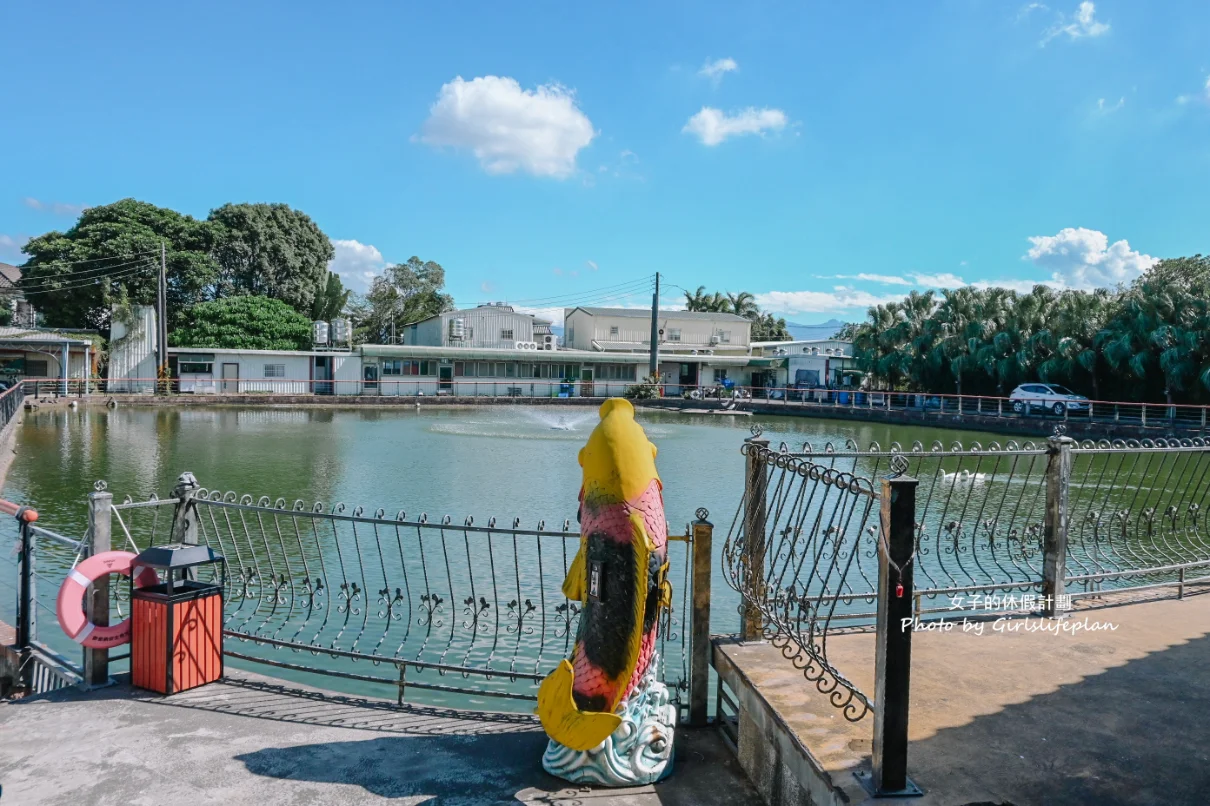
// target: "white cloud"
[[1083, 24], [58, 208], [357, 264], [1105, 109], [716, 69], [508, 128], [1084, 258], [1029, 9], [591, 264], [713, 126], [943, 280], [10, 247]]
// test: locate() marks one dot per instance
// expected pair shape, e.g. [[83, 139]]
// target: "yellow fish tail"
[[563, 721]]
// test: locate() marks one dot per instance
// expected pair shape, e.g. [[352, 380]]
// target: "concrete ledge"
[[1025, 711]]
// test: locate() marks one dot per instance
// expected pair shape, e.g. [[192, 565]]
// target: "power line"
[[98, 259], [636, 285], [57, 281], [84, 273], [93, 281]]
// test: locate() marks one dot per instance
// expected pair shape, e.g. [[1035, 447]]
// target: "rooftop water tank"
[[457, 328], [319, 332], [341, 332]]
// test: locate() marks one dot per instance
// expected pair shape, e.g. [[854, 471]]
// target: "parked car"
[[1030, 397]]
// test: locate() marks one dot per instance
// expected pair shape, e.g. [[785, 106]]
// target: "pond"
[[506, 462]]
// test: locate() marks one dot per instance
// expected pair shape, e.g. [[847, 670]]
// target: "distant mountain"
[[824, 330]]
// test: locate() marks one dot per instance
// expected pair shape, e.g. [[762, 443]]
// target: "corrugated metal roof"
[[645, 313], [24, 334]]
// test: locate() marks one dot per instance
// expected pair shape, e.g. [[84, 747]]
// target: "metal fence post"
[[96, 601], [699, 667], [184, 515], [893, 650], [756, 485], [27, 605], [1054, 546]]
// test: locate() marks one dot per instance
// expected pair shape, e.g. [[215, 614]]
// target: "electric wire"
[[90, 282], [84, 273], [111, 257]]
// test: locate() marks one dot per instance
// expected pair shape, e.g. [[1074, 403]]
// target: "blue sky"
[[816, 154]]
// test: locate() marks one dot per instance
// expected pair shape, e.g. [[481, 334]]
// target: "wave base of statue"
[[637, 753]]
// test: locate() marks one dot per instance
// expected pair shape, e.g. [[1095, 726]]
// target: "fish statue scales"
[[608, 717]]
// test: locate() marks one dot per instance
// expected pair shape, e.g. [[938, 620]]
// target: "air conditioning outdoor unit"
[[714, 339], [525, 345]]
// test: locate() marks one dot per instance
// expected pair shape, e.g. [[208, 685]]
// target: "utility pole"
[[655, 330], [161, 315]]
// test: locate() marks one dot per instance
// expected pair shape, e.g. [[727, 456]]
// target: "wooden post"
[[1054, 547], [756, 486], [893, 649], [699, 666], [96, 601]]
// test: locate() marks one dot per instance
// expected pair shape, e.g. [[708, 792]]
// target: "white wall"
[[132, 351], [695, 332]]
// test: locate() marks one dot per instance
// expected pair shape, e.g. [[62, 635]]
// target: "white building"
[[802, 364], [204, 370], [492, 326], [51, 358]]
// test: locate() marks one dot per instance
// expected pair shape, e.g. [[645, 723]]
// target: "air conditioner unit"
[[525, 345], [714, 339]]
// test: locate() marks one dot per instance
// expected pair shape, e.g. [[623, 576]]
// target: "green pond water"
[[507, 462]]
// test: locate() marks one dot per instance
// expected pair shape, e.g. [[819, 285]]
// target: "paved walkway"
[[1021, 718], [253, 740]]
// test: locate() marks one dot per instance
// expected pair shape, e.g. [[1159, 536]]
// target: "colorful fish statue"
[[619, 575]]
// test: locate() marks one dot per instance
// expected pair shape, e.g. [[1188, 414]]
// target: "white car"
[[1030, 397]]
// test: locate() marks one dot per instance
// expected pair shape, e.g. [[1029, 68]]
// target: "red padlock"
[[899, 591]]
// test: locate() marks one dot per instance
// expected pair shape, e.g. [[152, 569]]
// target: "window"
[[571, 334], [613, 330], [674, 334], [37, 369], [392, 367], [275, 370], [506, 334], [615, 372], [190, 368], [459, 369], [510, 370], [720, 375], [724, 336]]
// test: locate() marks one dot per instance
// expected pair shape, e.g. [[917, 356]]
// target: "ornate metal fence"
[[1128, 514], [460, 609], [799, 553]]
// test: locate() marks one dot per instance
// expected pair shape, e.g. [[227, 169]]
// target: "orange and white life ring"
[[70, 605]]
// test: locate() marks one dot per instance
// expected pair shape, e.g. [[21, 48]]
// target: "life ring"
[[69, 607]]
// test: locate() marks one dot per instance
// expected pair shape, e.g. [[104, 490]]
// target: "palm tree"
[[698, 300], [743, 304]]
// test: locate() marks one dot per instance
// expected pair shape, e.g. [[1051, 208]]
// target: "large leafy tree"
[[243, 323], [73, 277], [270, 250], [404, 293]]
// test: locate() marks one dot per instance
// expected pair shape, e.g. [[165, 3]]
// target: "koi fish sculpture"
[[609, 719]]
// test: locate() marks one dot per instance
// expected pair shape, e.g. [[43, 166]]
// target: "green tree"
[[766, 327], [72, 277], [243, 323], [404, 293], [270, 250], [331, 300]]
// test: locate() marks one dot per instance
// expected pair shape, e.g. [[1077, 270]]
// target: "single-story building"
[[50, 357], [205, 370]]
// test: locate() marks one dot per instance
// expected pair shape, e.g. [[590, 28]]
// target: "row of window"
[[400, 366], [671, 334]]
